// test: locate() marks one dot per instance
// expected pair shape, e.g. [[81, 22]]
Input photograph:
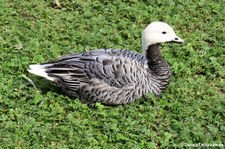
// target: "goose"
[[114, 76]]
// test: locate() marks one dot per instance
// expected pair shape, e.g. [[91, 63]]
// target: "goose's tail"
[[40, 70]]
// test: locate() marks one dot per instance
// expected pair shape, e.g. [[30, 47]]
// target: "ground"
[[40, 115]]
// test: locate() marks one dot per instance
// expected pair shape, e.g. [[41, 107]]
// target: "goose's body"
[[112, 76]]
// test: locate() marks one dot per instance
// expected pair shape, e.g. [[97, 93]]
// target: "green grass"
[[190, 112]]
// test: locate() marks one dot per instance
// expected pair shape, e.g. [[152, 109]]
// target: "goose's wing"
[[115, 67]]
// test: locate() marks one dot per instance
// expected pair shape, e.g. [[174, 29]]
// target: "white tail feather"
[[40, 71]]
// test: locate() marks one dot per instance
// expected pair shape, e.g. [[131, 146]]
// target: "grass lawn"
[[190, 113]]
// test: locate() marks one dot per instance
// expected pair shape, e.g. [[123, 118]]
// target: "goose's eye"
[[164, 32]]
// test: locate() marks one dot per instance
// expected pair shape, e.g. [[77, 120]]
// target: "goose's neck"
[[153, 55], [159, 68]]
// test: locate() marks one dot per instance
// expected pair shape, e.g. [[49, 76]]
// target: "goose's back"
[[110, 76]]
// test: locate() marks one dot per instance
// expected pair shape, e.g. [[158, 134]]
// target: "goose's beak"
[[177, 40]]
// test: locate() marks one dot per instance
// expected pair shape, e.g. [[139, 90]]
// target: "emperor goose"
[[114, 76]]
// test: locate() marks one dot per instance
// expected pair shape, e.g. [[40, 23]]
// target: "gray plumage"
[[109, 76]]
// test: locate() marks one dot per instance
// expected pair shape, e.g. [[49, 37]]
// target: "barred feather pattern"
[[110, 76]]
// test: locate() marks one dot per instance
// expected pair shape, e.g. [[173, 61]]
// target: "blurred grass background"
[[190, 112]]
